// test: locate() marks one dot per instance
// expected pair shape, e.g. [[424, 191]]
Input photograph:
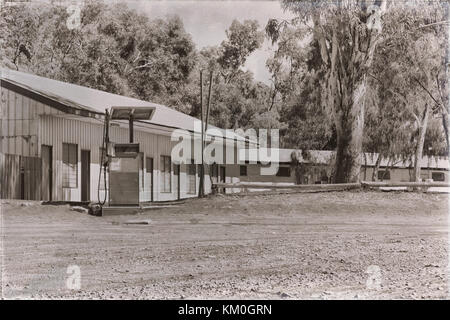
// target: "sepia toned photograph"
[[228, 150]]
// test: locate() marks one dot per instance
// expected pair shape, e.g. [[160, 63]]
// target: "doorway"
[[176, 173], [85, 175], [47, 172], [149, 175]]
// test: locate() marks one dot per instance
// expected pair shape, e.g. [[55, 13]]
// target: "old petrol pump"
[[123, 162]]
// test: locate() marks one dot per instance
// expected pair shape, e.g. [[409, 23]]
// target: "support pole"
[[209, 101], [201, 191], [131, 129]]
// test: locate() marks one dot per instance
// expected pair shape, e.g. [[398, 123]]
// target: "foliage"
[[119, 50]]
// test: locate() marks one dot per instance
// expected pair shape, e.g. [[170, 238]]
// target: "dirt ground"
[[336, 245]]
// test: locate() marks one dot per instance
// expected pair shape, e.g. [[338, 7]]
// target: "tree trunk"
[[347, 56], [390, 163], [376, 167], [349, 121], [365, 166], [445, 124], [420, 142]]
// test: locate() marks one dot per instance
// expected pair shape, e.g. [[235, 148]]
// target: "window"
[[70, 165], [438, 176], [384, 175], [243, 170], [214, 170], [191, 179], [284, 172], [102, 158], [165, 174]]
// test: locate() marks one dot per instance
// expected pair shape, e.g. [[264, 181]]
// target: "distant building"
[[315, 166]]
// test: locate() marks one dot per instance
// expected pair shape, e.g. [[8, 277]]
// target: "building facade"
[[317, 168], [52, 137]]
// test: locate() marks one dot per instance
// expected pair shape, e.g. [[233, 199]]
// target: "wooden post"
[[209, 100], [206, 127], [131, 128], [201, 191]]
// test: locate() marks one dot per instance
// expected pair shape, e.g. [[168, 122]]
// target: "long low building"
[[315, 166], [51, 144]]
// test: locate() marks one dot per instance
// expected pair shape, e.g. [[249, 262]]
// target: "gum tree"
[[347, 33], [410, 70]]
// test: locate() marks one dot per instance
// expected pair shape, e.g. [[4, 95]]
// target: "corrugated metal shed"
[[96, 101]]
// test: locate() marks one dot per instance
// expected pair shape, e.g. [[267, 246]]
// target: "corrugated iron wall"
[[19, 125], [88, 135], [23, 178], [27, 124]]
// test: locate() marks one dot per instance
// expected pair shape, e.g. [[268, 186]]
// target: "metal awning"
[[135, 113]]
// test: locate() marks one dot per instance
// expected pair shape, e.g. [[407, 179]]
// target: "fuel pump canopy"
[[128, 150], [136, 113], [125, 163]]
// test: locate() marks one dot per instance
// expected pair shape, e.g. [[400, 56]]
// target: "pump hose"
[[102, 167]]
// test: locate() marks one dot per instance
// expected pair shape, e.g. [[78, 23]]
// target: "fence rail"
[[372, 184], [313, 187], [326, 187]]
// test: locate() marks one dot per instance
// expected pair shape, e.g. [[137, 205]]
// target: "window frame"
[[163, 172], [282, 175], [191, 174], [387, 176], [241, 173], [440, 173], [66, 181]]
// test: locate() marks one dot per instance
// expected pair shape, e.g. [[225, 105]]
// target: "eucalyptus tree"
[[113, 48], [347, 33], [411, 75]]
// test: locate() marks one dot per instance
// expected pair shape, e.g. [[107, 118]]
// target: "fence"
[[247, 187]]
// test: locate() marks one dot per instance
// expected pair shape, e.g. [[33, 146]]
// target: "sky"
[[207, 21]]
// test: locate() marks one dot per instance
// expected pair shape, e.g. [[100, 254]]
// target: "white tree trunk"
[[420, 142]]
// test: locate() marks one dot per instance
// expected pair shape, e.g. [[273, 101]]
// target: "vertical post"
[[107, 128], [206, 122], [202, 176], [131, 128], [105, 143], [209, 101]]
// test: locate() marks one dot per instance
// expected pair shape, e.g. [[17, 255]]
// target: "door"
[[222, 177], [149, 175], [47, 172], [85, 175], [176, 173]]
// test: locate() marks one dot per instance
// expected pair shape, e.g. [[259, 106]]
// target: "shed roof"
[[96, 101]]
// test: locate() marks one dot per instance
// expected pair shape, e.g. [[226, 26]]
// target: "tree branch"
[[428, 92]]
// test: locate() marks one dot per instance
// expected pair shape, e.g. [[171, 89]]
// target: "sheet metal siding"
[[88, 136], [20, 123], [27, 124], [56, 131], [20, 177]]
